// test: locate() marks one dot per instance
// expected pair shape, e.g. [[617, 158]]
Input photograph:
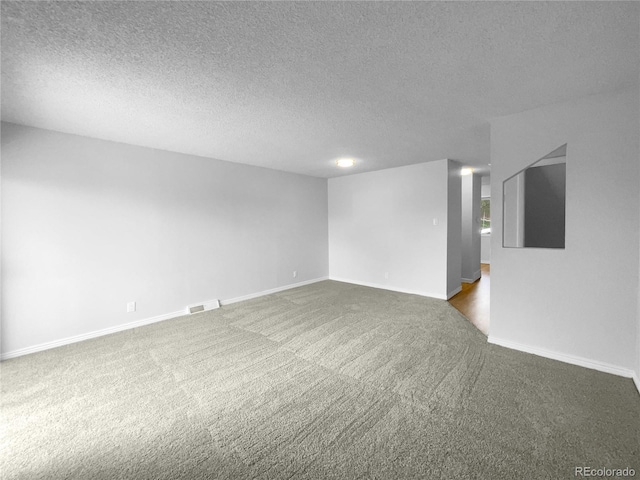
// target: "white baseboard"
[[636, 380], [476, 276], [562, 357], [273, 290], [139, 323], [454, 292], [389, 287], [86, 336]]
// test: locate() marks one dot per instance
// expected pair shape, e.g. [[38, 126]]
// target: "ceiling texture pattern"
[[295, 85]]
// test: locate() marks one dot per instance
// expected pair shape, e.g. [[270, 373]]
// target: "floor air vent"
[[211, 305]]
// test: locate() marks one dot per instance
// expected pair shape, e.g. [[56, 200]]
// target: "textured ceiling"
[[294, 85]]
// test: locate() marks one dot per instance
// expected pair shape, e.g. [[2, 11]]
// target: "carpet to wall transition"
[[329, 380]]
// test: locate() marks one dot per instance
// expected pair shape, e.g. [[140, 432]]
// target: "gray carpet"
[[329, 380]]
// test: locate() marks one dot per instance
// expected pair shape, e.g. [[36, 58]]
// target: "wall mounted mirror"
[[534, 204]]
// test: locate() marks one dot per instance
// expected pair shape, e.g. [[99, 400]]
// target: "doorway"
[[473, 300]]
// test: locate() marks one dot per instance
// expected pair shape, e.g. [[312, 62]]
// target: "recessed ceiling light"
[[466, 171], [345, 162]]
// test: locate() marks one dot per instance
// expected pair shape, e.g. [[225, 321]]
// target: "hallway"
[[473, 300]]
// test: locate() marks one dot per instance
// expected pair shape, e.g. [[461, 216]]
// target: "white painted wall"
[[485, 249], [382, 223], [637, 373], [485, 190], [513, 212], [485, 240], [90, 225], [470, 228], [454, 228], [580, 303]]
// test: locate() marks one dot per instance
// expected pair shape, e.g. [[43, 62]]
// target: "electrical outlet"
[[131, 307], [295, 273]]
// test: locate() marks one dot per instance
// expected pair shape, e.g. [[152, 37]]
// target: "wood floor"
[[473, 300]]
